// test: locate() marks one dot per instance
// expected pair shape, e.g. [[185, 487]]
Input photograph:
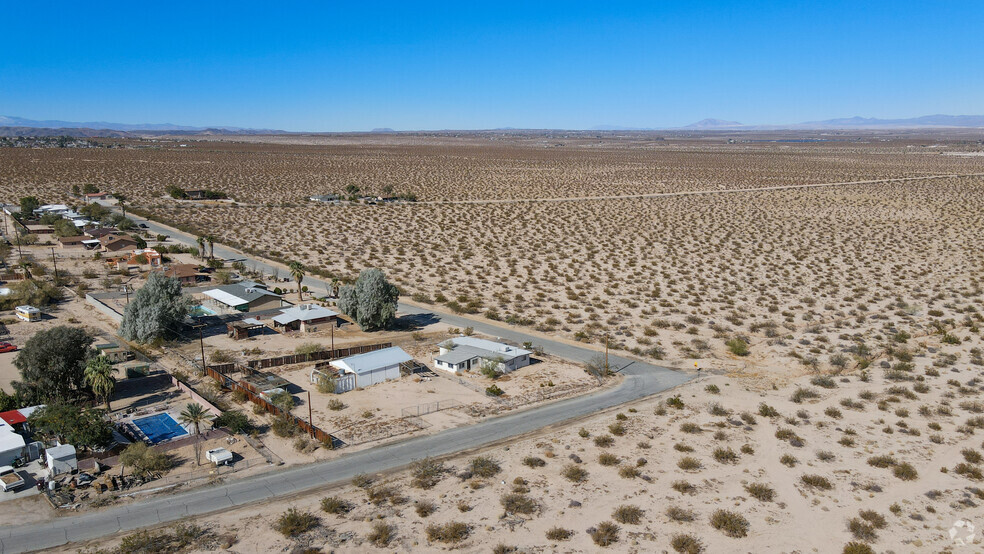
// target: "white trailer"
[[219, 456]]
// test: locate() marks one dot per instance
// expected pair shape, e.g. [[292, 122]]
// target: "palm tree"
[[195, 415], [211, 246], [121, 199], [99, 377], [335, 284], [297, 272], [201, 247]]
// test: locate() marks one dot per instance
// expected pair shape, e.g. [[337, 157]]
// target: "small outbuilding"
[[61, 459], [363, 370]]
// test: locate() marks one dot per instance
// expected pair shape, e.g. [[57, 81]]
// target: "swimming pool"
[[160, 427], [200, 311]]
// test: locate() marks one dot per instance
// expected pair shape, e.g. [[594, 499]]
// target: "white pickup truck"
[[9, 479]]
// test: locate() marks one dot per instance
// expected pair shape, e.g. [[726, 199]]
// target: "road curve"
[[641, 380]]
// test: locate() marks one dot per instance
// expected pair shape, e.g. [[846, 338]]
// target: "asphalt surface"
[[640, 380]]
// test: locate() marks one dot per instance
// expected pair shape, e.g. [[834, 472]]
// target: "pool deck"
[[147, 439]]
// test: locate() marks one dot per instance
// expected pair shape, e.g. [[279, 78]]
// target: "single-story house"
[[100, 232], [115, 243], [363, 370], [305, 318], [93, 196], [243, 299], [61, 459], [466, 353], [137, 258], [12, 444], [186, 274], [72, 242]]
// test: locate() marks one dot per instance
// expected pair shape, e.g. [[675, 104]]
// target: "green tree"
[[99, 377], [297, 273], [121, 200], [89, 188], [195, 415], [211, 246], [27, 206], [52, 365], [201, 247], [71, 424], [145, 461], [157, 309], [65, 228], [371, 301]]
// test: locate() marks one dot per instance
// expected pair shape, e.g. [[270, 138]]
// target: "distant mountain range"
[[856, 122], [13, 126], [12, 121]]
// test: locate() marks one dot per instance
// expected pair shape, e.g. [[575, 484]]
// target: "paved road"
[[641, 380]]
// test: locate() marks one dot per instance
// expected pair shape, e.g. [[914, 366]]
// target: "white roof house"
[[363, 370], [304, 317], [466, 353], [11, 444]]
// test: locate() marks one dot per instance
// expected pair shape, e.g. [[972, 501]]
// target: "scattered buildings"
[[94, 196], [78, 241], [304, 318], [137, 258], [466, 353], [12, 444]]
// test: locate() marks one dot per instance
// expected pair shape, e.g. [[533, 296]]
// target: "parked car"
[[7, 347]]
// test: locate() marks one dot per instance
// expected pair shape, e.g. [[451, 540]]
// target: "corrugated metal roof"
[[370, 361], [225, 297], [507, 352], [304, 312]]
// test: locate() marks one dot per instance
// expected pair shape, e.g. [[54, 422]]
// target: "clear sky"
[[342, 66]]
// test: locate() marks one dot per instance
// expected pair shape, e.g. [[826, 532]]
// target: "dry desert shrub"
[[606, 534], [450, 532], [730, 523]]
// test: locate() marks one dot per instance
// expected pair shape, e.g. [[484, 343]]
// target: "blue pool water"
[[160, 427], [200, 311]]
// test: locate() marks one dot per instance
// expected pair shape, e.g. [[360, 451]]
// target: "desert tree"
[[371, 301], [99, 376], [121, 200], [52, 365], [157, 309], [297, 273], [195, 415]]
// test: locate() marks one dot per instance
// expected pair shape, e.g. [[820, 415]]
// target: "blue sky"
[[333, 66]]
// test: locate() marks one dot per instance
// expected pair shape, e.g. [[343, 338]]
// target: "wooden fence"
[[314, 356], [312, 430]]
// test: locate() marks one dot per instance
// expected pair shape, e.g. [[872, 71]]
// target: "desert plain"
[[828, 286]]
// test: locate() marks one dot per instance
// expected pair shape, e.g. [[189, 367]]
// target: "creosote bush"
[[630, 515], [574, 473], [761, 491], [606, 534], [686, 544], [335, 505], [816, 482], [450, 532], [730, 523], [381, 534], [485, 466], [559, 534], [294, 522]]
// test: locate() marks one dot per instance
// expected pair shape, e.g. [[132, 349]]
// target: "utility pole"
[[607, 370], [310, 416], [333, 324], [201, 341], [54, 265]]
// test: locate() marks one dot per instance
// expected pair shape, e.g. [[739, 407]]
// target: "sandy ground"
[[923, 416]]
